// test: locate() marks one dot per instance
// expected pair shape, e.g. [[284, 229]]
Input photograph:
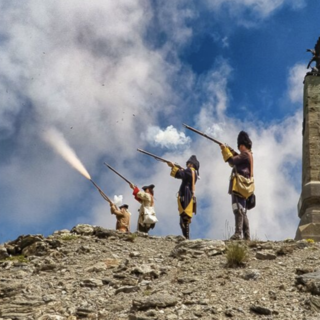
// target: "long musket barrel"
[[121, 176], [208, 137], [158, 158], [104, 196]]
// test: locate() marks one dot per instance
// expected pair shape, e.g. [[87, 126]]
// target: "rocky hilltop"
[[95, 273]]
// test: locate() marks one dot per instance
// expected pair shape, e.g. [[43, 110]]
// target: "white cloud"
[[225, 42], [295, 82], [214, 84], [258, 9], [169, 138], [85, 69], [171, 17]]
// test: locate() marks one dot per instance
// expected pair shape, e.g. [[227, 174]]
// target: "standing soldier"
[[123, 217], [186, 197], [147, 216], [243, 165]]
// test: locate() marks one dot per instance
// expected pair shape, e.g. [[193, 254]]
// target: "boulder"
[[198, 247], [83, 229], [154, 301], [36, 249], [3, 253], [311, 282]]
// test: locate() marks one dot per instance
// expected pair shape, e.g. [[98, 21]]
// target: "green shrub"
[[237, 255]]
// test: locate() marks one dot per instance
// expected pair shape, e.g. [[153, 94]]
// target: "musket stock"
[[158, 158], [104, 196], [210, 138], [121, 176]]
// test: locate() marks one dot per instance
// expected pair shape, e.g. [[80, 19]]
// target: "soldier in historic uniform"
[[147, 217], [242, 164], [186, 197], [123, 217]]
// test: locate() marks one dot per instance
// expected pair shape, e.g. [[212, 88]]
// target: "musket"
[[158, 158], [104, 196], [210, 138], [121, 176]]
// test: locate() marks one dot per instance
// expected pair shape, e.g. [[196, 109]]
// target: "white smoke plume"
[[60, 145], [117, 200]]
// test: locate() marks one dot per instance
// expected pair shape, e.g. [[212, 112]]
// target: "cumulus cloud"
[[248, 11], [295, 81], [84, 67], [169, 138], [85, 70], [261, 7], [214, 83]]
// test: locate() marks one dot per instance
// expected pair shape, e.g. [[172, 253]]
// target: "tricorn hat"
[[243, 138], [151, 186], [124, 206], [193, 160]]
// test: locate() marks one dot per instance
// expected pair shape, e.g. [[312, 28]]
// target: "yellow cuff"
[[226, 154], [174, 170]]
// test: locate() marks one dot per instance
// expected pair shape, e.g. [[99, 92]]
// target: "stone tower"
[[309, 203]]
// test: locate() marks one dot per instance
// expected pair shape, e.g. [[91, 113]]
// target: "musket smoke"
[[60, 145]]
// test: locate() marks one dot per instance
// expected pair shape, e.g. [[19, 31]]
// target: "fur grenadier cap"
[[151, 186], [124, 206], [193, 160], [243, 138]]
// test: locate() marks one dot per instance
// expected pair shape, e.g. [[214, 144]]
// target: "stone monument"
[[309, 203]]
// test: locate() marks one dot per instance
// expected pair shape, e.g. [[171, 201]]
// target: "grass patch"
[[69, 237], [310, 241], [254, 241], [132, 237], [147, 293], [20, 258], [237, 255]]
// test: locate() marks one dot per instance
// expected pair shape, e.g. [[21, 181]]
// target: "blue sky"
[[114, 77]]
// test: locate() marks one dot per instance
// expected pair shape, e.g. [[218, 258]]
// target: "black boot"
[[187, 230], [183, 227]]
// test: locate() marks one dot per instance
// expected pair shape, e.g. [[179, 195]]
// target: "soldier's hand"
[[222, 146], [170, 164], [132, 186]]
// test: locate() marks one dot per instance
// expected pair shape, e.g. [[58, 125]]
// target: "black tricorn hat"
[[124, 206], [151, 186], [243, 138], [193, 160]]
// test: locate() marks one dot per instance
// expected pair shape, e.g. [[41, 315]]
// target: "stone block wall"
[[309, 203]]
